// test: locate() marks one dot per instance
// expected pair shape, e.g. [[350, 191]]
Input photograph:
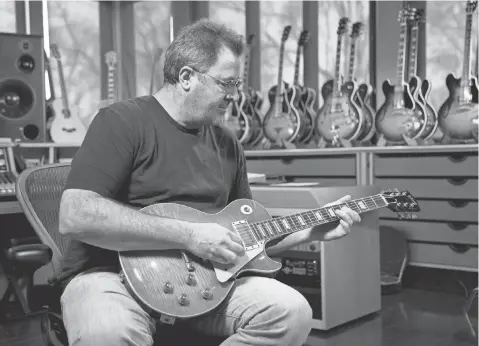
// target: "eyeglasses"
[[227, 85]]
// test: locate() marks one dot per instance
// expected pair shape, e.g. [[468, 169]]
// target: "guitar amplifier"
[[303, 273]]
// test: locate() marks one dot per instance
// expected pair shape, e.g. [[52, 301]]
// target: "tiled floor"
[[412, 317]]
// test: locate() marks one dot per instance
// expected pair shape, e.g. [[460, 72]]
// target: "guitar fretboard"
[[111, 85], [245, 84], [466, 68], [277, 227], [413, 52], [352, 59], [337, 69], [296, 64], [279, 85], [398, 88]]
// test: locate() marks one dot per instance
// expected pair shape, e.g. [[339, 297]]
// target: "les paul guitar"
[[66, 126], [176, 284]]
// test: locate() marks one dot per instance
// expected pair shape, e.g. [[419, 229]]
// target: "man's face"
[[208, 98]]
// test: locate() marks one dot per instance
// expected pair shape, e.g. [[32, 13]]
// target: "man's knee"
[[297, 314]]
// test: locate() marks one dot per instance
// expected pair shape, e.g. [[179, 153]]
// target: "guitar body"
[[147, 272], [395, 121], [237, 121], [342, 115], [361, 98], [430, 122], [456, 119], [306, 100], [283, 124], [67, 128], [430, 110]]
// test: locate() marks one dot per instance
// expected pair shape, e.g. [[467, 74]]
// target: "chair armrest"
[[35, 255], [24, 240]]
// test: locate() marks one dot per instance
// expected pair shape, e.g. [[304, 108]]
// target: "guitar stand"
[[383, 142], [446, 140]]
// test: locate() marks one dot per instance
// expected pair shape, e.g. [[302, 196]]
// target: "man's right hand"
[[214, 242]]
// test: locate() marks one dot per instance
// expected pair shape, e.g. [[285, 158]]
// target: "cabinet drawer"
[[443, 256], [457, 188], [304, 166], [440, 232], [426, 165], [459, 211]]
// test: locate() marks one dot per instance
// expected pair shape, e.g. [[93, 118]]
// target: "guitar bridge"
[[246, 234]]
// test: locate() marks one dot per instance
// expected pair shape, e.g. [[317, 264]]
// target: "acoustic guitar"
[[458, 115], [400, 119], [339, 117], [66, 126], [176, 284]]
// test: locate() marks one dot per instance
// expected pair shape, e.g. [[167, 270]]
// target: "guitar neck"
[[412, 70], [296, 65], [63, 87], [278, 227], [337, 69], [466, 67], [245, 84], [352, 59], [279, 86], [111, 86], [401, 63]]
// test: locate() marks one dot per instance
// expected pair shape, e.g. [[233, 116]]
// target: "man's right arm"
[[91, 218]]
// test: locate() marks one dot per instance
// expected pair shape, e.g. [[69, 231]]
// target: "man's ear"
[[184, 77]]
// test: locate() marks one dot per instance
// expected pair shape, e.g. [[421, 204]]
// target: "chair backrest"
[[39, 190]]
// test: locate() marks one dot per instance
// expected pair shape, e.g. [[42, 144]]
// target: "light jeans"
[[98, 310]]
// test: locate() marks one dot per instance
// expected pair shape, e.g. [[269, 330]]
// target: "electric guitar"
[[361, 96], [458, 115], [177, 284], [66, 126], [339, 117], [415, 84], [399, 119], [282, 123]]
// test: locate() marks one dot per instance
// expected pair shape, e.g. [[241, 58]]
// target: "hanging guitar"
[[339, 120], [282, 124], [176, 284], [458, 115], [305, 97], [66, 126], [415, 84], [400, 120], [363, 90]]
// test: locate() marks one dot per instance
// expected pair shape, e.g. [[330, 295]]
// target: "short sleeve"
[[241, 188], [105, 158]]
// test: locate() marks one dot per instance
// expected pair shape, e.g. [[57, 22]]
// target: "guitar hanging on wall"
[[66, 126], [176, 284]]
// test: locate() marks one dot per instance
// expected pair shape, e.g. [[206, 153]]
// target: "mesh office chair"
[[39, 193]]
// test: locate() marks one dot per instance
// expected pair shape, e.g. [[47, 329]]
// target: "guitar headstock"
[[286, 31], [250, 39], [303, 37], [471, 6], [55, 51], [401, 202], [406, 15], [343, 26], [110, 59], [357, 30], [419, 17]]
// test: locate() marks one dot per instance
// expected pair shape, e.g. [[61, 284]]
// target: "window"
[[7, 16], [152, 36], [74, 27], [275, 15], [445, 45], [330, 12], [230, 13]]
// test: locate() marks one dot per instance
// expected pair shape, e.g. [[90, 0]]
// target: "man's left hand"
[[347, 218]]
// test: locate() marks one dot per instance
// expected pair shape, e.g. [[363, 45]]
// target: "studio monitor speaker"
[[22, 87]]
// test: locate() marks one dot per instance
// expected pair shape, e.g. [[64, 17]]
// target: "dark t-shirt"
[[135, 153]]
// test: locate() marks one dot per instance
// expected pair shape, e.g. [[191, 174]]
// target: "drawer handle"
[[287, 160], [457, 158], [458, 203], [457, 181], [459, 248], [457, 226]]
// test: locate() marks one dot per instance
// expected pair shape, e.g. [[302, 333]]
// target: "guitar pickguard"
[[224, 272]]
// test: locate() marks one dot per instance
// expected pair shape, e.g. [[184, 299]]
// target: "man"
[[167, 148]]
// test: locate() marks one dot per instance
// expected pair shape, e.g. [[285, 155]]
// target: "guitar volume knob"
[[190, 279], [167, 288], [206, 293], [183, 299]]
